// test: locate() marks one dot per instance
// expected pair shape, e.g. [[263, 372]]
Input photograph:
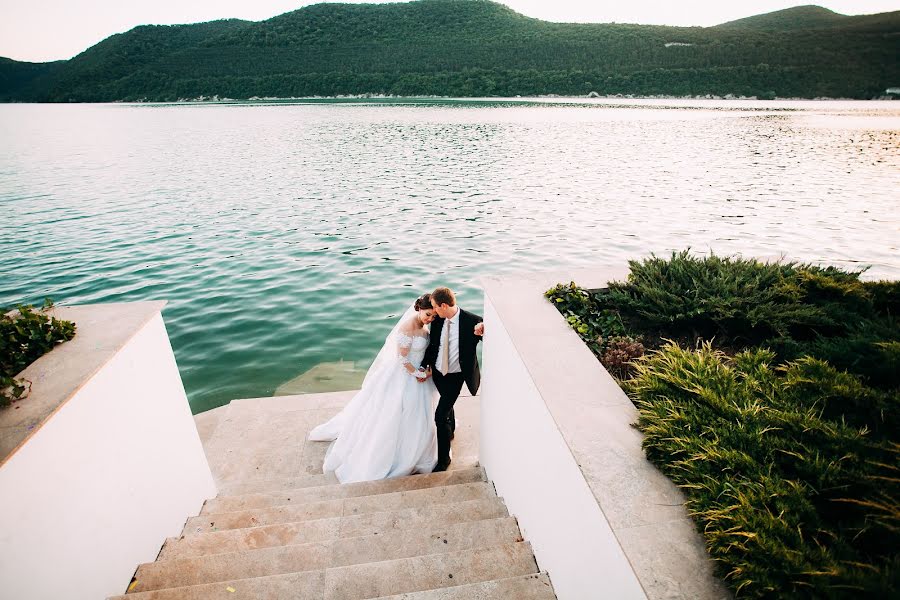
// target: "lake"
[[291, 234]]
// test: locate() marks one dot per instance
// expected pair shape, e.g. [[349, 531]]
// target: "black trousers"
[[448, 386]]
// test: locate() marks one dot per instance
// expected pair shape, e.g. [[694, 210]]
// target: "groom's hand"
[[479, 329]]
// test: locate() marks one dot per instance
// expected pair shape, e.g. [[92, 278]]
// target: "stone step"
[[307, 495], [524, 587], [324, 555], [288, 534], [207, 422], [249, 538], [272, 484], [340, 507], [420, 516], [429, 572], [464, 462], [301, 586], [282, 534], [367, 523], [289, 404], [259, 439], [335, 528], [371, 580]]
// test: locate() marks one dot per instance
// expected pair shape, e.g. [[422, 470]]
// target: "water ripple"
[[285, 236]]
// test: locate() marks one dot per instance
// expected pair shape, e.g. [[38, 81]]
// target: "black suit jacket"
[[468, 341]]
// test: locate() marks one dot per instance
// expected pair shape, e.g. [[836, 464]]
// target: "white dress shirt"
[[451, 328]]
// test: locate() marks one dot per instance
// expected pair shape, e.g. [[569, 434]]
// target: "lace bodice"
[[411, 349]]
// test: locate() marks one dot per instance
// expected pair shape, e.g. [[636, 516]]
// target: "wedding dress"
[[387, 429]]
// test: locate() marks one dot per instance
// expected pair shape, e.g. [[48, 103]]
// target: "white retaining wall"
[[526, 456], [99, 485]]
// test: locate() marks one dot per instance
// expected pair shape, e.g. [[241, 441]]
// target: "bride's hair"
[[423, 302]]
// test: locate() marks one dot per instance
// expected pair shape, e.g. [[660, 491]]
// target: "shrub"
[[781, 425], [794, 309], [619, 355], [869, 349], [25, 336], [794, 501], [597, 325], [738, 301]]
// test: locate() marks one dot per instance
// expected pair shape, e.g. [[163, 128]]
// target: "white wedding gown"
[[387, 429]]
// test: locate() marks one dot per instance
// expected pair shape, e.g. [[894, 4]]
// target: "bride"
[[387, 429]]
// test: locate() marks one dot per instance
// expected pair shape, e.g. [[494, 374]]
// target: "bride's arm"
[[404, 343]]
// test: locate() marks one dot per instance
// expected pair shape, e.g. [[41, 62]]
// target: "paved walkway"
[[265, 438]]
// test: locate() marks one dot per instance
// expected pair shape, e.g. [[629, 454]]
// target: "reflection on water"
[[291, 235]]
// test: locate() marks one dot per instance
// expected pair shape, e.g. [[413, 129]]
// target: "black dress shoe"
[[441, 466]]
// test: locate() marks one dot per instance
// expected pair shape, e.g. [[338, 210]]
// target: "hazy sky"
[[42, 30]]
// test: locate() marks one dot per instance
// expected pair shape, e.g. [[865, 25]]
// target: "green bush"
[[586, 314], [25, 336], [738, 301], [794, 309], [794, 500], [869, 349]]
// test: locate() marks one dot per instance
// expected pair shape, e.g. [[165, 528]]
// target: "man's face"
[[443, 310]]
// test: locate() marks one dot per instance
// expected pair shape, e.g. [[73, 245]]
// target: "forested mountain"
[[472, 48], [16, 75], [799, 17]]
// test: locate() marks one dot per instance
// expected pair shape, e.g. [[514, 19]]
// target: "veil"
[[387, 356]]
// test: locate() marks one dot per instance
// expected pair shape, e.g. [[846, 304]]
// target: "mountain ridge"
[[807, 16], [811, 16], [471, 48]]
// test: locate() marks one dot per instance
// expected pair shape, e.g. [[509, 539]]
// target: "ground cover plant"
[[25, 336], [769, 393]]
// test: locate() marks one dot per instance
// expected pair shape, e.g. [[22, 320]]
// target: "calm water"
[[288, 235]]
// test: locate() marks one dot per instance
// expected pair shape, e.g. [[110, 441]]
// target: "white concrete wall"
[[97, 489], [533, 469]]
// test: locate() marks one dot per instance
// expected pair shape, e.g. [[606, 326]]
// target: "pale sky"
[[44, 30]]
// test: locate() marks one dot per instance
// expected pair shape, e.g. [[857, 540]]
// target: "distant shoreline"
[[425, 99], [523, 99]]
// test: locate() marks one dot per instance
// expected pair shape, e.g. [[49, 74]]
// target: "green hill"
[[15, 75], [798, 17], [474, 48], [811, 18]]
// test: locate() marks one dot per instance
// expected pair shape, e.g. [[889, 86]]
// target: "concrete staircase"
[[439, 536]]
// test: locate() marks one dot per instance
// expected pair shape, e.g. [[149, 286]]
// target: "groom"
[[451, 353]]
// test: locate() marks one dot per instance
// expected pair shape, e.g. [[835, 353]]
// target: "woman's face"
[[426, 316]]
